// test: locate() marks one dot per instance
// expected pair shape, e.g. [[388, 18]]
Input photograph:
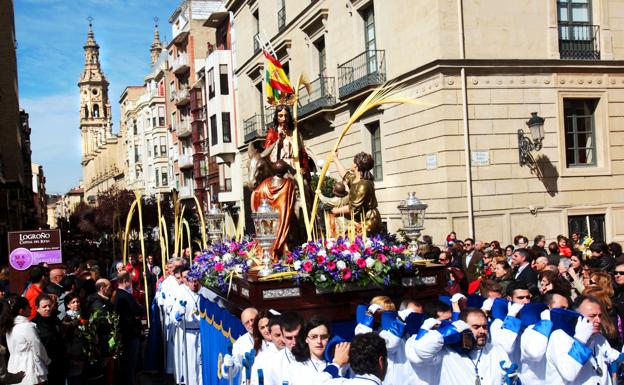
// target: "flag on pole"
[[275, 78]]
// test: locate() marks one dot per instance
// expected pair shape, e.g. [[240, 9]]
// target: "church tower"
[[156, 48], [95, 110]]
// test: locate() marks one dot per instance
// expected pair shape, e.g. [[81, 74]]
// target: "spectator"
[[509, 249], [129, 312], [540, 263], [69, 285], [471, 260], [502, 274], [27, 353], [563, 247], [495, 246], [38, 280], [74, 341], [601, 259], [553, 254], [549, 281], [576, 240], [454, 276], [491, 289], [539, 244], [615, 249], [451, 240], [521, 261], [49, 330], [57, 273], [521, 242]]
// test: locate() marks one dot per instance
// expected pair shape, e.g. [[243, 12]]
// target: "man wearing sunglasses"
[[470, 260]]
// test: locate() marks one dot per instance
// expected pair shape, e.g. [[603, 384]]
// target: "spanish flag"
[[276, 80]]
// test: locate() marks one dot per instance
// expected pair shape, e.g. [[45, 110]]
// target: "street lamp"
[[526, 145], [265, 220], [413, 216], [214, 223]]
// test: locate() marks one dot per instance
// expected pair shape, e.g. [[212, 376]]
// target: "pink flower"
[[218, 266], [353, 248], [307, 266], [382, 258], [331, 265], [361, 262], [346, 273], [290, 259], [320, 260]]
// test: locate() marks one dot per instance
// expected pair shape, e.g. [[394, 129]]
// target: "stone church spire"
[[156, 48]]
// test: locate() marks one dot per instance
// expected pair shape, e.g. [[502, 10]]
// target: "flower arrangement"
[[223, 261], [584, 247], [362, 262]]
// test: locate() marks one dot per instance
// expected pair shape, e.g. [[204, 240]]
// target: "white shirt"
[[28, 354], [310, 372], [571, 362], [264, 359], [363, 379]]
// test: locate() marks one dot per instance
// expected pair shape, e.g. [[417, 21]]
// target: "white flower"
[[227, 257], [238, 269], [340, 265], [217, 258], [370, 262], [329, 244], [322, 253], [249, 262], [297, 265], [320, 163], [346, 253], [399, 261], [355, 256], [368, 242], [347, 243], [322, 278]]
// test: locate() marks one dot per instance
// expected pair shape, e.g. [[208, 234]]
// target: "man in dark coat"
[[130, 313], [471, 260], [521, 261]]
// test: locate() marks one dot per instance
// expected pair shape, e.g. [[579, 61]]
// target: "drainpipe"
[[462, 52]]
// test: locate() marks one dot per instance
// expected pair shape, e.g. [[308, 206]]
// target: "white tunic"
[[166, 300], [533, 344], [571, 362], [364, 379], [310, 372], [241, 346], [265, 358], [192, 354], [28, 354]]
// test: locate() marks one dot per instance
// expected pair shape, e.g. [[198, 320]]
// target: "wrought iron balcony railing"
[[253, 128], [579, 41], [364, 70], [267, 118], [322, 94], [281, 18]]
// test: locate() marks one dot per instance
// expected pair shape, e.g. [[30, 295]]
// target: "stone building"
[[143, 120], [188, 45], [40, 202], [477, 70], [102, 150]]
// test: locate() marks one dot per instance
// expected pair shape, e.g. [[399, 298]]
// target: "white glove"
[[514, 308], [403, 314], [460, 325], [228, 361], [430, 323], [487, 304], [545, 315], [372, 309], [457, 297], [583, 330], [182, 310]]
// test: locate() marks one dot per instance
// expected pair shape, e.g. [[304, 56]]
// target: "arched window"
[[96, 111], [86, 111]]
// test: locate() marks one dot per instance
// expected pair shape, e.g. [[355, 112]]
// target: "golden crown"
[[285, 99]]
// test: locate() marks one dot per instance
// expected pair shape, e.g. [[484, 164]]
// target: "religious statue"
[[362, 207], [337, 223]]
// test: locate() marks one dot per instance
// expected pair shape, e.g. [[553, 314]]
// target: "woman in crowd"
[[309, 352], [502, 274], [261, 332], [74, 341], [549, 281], [49, 329], [509, 250], [495, 246], [27, 353]]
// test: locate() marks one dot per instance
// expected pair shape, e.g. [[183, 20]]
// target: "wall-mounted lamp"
[[526, 145]]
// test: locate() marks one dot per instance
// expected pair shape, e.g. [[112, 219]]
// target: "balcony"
[[579, 41], [269, 113], [322, 94], [256, 45], [179, 64], [199, 115], [281, 19], [181, 96], [185, 161], [365, 70], [183, 128], [253, 129], [185, 192]]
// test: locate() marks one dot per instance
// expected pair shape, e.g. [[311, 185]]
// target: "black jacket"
[[129, 312], [528, 276], [97, 302]]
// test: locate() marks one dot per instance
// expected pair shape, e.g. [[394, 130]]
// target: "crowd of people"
[[75, 323], [527, 313]]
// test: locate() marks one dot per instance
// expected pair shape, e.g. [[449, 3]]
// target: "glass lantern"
[[214, 223], [265, 221], [536, 126], [413, 216]]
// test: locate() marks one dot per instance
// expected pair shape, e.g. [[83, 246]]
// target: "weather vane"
[[90, 19], [156, 20]]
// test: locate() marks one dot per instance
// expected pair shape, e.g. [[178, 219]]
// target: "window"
[[137, 158], [155, 150], [157, 178], [96, 111], [225, 177], [134, 127], [375, 139], [587, 225], [223, 79], [149, 149], [370, 41], [213, 130], [225, 123], [165, 179], [211, 84], [580, 132], [163, 146], [578, 38], [322, 57], [161, 116]]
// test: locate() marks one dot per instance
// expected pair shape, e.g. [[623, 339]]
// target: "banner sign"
[[219, 330], [27, 248]]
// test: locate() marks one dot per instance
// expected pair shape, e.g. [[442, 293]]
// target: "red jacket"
[[31, 295]]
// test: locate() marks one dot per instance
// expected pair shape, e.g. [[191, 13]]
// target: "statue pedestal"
[[305, 298]]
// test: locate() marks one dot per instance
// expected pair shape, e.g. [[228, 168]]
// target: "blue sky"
[[50, 57]]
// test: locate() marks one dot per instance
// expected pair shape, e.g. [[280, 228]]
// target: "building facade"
[[40, 203], [102, 150], [477, 71], [185, 105]]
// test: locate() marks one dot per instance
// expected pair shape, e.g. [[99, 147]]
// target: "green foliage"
[[327, 187]]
